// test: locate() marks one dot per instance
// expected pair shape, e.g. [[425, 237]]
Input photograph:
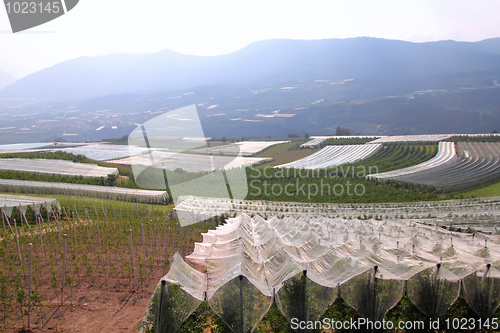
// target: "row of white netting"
[[93, 191], [22, 203], [304, 264]]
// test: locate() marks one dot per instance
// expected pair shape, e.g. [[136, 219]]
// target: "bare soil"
[[93, 309]]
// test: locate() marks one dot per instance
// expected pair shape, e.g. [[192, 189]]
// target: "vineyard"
[[54, 260], [92, 250]]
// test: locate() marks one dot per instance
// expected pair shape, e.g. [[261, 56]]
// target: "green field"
[[491, 190]]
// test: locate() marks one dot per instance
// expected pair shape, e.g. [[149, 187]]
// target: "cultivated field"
[[476, 164], [94, 264]]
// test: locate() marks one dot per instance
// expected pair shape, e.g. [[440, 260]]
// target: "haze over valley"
[[270, 88]]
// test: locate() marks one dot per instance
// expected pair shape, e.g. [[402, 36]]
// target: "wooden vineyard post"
[[63, 275], [65, 212], [7, 219], [76, 211], [132, 259], [29, 282], [105, 215]]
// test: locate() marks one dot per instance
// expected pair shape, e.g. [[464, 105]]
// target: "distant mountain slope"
[[381, 67], [5, 79]]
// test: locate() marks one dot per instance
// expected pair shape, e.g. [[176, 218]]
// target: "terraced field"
[[398, 156], [446, 154], [476, 164], [334, 155]]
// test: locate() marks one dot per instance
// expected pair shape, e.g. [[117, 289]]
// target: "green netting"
[[482, 291], [175, 298], [433, 290], [169, 307], [240, 304], [370, 295], [303, 299]]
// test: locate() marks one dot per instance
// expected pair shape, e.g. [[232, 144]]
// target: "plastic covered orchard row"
[[305, 264], [94, 191]]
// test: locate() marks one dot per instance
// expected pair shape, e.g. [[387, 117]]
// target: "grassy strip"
[[54, 178], [492, 190], [285, 153], [51, 155], [480, 138]]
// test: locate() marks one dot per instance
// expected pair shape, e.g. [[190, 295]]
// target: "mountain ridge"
[[397, 66]]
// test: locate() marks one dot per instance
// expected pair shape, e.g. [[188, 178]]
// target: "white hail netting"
[[302, 261], [95, 191], [8, 202], [56, 167]]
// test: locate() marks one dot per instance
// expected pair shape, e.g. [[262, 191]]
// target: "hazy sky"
[[211, 27]]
